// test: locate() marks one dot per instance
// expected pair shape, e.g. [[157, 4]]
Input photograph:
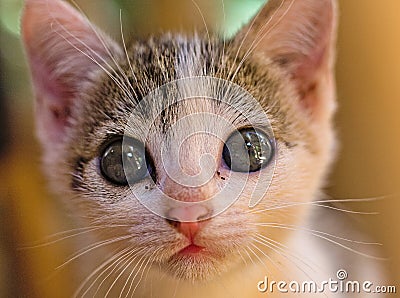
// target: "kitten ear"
[[63, 50], [300, 36]]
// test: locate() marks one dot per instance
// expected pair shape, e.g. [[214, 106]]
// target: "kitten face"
[[83, 108]]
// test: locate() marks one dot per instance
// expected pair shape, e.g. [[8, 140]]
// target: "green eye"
[[115, 156], [248, 150]]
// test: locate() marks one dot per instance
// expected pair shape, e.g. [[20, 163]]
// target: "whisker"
[[80, 231], [223, 33], [286, 253], [284, 249], [258, 258], [122, 264], [116, 81], [112, 260], [265, 255], [126, 51], [90, 49], [319, 204], [240, 254], [318, 232], [123, 270], [255, 43], [203, 19], [250, 258], [148, 269], [115, 263], [206, 28], [346, 210], [141, 261], [176, 287], [91, 248], [320, 235], [279, 252], [103, 43], [150, 259], [243, 40]]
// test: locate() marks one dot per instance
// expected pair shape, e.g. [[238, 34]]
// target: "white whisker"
[[322, 235], [91, 248], [79, 232], [258, 258], [265, 255], [124, 269], [242, 42], [317, 232], [115, 79], [103, 43], [247, 253], [126, 51], [149, 259], [114, 264], [115, 257], [284, 252], [320, 204], [124, 263], [256, 42], [207, 31]]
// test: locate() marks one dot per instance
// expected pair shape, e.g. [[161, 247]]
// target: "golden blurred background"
[[368, 122]]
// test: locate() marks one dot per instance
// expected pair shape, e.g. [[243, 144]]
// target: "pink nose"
[[189, 229], [186, 219]]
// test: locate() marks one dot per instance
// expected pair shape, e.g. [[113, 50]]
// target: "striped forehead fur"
[[159, 60]]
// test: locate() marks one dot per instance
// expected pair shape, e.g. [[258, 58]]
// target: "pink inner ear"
[[299, 35], [309, 74], [54, 101], [58, 43]]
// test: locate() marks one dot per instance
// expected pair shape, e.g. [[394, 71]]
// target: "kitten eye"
[[115, 156], [247, 150]]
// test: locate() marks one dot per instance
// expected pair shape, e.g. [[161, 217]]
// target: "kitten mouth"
[[191, 249]]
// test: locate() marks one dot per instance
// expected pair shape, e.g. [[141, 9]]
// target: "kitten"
[[122, 149]]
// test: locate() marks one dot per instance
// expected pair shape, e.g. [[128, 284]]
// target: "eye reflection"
[[121, 164], [247, 150]]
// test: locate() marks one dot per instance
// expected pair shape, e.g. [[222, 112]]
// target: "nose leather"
[[186, 219]]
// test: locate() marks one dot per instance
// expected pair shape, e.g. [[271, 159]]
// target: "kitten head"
[[88, 89]]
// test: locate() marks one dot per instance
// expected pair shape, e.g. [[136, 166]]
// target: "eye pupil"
[[123, 163], [247, 150]]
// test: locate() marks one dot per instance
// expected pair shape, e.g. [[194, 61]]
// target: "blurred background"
[[368, 122]]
